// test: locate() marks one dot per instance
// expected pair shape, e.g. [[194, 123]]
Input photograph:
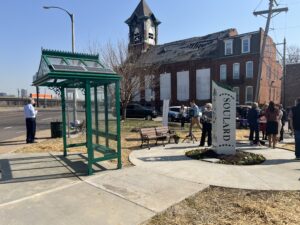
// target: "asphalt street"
[[12, 123]]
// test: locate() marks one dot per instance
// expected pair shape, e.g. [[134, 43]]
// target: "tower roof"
[[142, 11]]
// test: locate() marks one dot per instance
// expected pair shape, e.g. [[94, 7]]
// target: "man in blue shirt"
[[195, 118], [30, 115]]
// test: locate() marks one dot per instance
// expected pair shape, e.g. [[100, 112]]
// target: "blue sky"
[[26, 27]]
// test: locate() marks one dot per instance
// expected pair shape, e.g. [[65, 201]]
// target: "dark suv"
[[138, 111]]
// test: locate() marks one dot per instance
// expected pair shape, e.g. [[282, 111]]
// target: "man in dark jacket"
[[253, 117], [294, 116]]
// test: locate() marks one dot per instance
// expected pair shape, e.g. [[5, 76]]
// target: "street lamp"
[[72, 22], [73, 50]]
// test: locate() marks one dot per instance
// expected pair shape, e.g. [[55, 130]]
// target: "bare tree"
[[293, 54], [136, 77]]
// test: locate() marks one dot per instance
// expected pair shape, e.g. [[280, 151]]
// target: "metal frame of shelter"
[[61, 70]]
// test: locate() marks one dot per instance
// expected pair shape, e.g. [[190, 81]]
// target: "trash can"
[[56, 129]]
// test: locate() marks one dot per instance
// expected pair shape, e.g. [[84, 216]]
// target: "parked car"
[[174, 113], [135, 110]]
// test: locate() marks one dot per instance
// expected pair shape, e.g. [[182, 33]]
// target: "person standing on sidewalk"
[[272, 114], [30, 115], [195, 118], [207, 126], [182, 114], [295, 125], [253, 121], [283, 120]]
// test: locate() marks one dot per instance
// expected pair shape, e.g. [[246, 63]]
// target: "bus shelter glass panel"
[[75, 116]]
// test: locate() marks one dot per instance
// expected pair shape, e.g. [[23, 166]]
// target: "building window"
[[203, 84], [183, 86], [223, 72], [237, 91], [249, 69], [246, 45], [236, 71], [249, 94], [136, 35], [165, 86], [228, 47]]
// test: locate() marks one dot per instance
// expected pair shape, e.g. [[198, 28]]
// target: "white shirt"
[[29, 111]]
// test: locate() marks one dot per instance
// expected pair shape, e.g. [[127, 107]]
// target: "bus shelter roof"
[[70, 70]]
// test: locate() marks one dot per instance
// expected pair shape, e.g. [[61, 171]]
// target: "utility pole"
[[284, 72], [270, 13]]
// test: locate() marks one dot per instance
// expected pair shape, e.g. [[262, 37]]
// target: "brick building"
[[292, 84], [187, 67]]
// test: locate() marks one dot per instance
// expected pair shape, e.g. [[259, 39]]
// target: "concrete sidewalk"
[[50, 189], [47, 188], [279, 172], [16, 143]]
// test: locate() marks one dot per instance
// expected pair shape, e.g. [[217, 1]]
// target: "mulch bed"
[[226, 206], [240, 158]]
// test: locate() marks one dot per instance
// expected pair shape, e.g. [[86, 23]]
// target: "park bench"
[[148, 134], [166, 132], [156, 134]]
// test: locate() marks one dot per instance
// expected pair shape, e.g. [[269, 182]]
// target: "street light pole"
[[71, 15]]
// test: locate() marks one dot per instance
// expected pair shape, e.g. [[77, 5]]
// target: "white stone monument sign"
[[223, 120], [165, 112]]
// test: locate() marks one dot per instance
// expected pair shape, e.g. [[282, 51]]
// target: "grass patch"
[[240, 158], [226, 206], [130, 138]]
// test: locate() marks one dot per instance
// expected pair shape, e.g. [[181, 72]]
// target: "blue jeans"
[[297, 143]]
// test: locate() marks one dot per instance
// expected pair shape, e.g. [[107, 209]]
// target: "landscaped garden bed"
[[240, 158]]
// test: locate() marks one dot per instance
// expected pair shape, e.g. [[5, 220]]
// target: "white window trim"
[[247, 75], [233, 71], [249, 41], [231, 42], [246, 100], [237, 96], [224, 66]]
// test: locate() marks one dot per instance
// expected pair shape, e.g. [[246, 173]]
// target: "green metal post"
[[89, 127], [117, 91], [96, 114], [64, 128], [106, 115]]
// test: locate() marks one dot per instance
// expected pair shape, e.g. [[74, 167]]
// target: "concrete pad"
[[23, 175], [146, 188], [80, 204], [278, 172]]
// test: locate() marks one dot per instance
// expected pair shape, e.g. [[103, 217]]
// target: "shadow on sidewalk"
[[20, 142], [46, 167]]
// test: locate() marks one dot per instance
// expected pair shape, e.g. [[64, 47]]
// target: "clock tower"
[[143, 28]]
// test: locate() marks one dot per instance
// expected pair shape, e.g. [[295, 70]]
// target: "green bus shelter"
[[100, 86]]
